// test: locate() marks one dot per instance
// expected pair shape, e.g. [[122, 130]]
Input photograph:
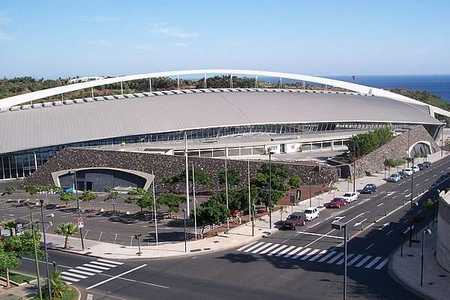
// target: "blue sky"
[[101, 37]]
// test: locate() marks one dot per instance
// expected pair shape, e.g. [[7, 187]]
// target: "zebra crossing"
[[88, 269], [330, 256]]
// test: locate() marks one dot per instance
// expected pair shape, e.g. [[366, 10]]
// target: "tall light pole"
[[47, 272], [226, 192], [412, 182], [426, 231], [185, 233], [250, 202], [36, 260], [155, 219], [74, 173], [270, 189], [187, 173], [194, 201], [340, 226]]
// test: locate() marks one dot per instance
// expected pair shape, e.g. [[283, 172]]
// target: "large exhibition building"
[[229, 122]]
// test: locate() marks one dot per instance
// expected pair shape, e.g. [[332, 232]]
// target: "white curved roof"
[[192, 109], [6, 103]]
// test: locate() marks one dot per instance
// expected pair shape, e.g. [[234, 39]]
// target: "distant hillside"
[[424, 96]]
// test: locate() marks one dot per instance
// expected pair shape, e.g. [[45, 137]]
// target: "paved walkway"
[[407, 269], [236, 237]]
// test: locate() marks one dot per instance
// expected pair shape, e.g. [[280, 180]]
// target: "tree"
[[294, 181], [362, 144], [66, 197], [10, 189], [142, 198], [8, 261], [234, 177], [113, 196], [59, 287], [278, 187], [211, 212], [87, 196], [172, 202], [66, 229], [11, 226]]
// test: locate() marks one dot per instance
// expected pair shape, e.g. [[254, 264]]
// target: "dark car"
[[336, 203], [420, 166], [294, 220], [369, 189], [122, 219], [402, 174], [426, 164]]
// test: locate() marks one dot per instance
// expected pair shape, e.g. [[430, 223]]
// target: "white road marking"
[[301, 253], [343, 259], [389, 232], [335, 258], [81, 272], [370, 246], [246, 246], [88, 269], [354, 260], [319, 238], [285, 250], [109, 261], [73, 275], [63, 277], [117, 276], [382, 264], [378, 205], [310, 254], [261, 248], [327, 256], [319, 234], [102, 264], [253, 247], [373, 262], [270, 248], [318, 255], [359, 223], [363, 261], [277, 250], [293, 252], [96, 267]]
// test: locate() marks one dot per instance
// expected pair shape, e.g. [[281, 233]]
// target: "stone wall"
[[397, 148], [443, 233], [166, 166]]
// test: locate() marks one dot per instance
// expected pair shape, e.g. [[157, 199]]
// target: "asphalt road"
[[263, 270]]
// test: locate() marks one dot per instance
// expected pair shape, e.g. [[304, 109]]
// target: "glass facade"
[[22, 164]]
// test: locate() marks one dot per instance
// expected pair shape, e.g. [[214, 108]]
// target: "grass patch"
[[69, 294], [18, 277]]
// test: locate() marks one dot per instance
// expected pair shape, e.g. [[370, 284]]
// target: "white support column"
[[150, 84], [35, 161], [92, 93], [231, 81], [256, 82], [204, 82], [121, 87], [62, 97], [281, 83], [178, 82]]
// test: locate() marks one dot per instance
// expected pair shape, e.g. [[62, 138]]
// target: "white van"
[[311, 213]]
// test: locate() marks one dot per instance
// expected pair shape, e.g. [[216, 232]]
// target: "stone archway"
[[420, 149]]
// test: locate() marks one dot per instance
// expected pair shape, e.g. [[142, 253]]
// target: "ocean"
[[435, 84]]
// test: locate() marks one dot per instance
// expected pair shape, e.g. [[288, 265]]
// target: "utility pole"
[[343, 226], [226, 192], [194, 201], [47, 272], [187, 172], [36, 260], [78, 208], [155, 219], [185, 233], [250, 202], [270, 189], [412, 182]]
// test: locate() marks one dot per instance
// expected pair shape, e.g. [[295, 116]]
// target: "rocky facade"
[[166, 166], [397, 148]]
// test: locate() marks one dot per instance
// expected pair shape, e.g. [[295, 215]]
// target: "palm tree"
[[58, 286], [66, 229], [113, 196]]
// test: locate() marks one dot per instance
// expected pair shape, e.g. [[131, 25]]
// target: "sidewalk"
[[406, 269], [236, 237]]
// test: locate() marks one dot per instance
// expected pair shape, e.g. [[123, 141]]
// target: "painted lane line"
[[359, 223], [277, 250], [109, 261], [301, 253], [320, 234], [373, 262], [63, 277], [257, 250], [327, 256], [378, 205], [349, 256], [335, 258], [73, 275], [389, 232], [285, 251], [270, 248], [310, 254], [363, 261], [96, 267], [81, 272], [408, 195], [319, 238], [246, 246], [102, 264], [88, 269], [382, 264], [293, 252], [354, 260], [370, 246], [115, 277], [314, 258], [253, 247]]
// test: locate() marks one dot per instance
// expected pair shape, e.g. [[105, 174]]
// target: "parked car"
[[415, 169], [369, 189], [336, 203], [420, 166], [294, 220], [426, 164], [311, 213], [394, 178], [408, 171], [350, 197], [125, 220]]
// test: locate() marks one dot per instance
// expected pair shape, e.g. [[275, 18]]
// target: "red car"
[[336, 203]]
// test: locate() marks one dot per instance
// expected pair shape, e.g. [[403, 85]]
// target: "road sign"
[[80, 223]]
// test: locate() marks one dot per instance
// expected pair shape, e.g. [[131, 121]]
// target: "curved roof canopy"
[[6, 103], [56, 125]]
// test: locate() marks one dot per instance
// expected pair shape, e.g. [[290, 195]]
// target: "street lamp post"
[[340, 226], [74, 173], [426, 231], [155, 219], [47, 272], [185, 233], [270, 189], [194, 201], [138, 237], [250, 202], [226, 192], [35, 254]]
